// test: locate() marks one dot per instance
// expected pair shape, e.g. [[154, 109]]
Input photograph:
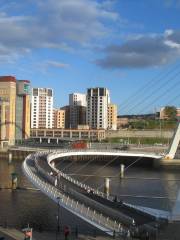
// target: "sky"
[[132, 47]]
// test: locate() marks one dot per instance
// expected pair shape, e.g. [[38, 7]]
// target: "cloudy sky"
[[131, 47]]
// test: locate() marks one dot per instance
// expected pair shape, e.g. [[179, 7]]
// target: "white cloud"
[[57, 24], [168, 32], [56, 64], [172, 44], [172, 3], [146, 51]]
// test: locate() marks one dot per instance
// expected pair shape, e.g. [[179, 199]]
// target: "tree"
[[170, 112]]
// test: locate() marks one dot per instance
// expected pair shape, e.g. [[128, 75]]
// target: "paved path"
[[14, 234]]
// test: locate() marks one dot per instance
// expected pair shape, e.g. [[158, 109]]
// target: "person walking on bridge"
[[66, 232]]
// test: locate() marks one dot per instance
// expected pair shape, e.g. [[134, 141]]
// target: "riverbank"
[[10, 154], [167, 164]]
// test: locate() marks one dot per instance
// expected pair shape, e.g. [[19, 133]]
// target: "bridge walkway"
[[88, 214], [140, 218], [78, 194]]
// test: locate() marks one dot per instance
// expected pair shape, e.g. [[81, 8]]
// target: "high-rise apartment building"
[[42, 108], [112, 116], [97, 107], [67, 115], [77, 116], [22, 109], [59, 118], [77, 99], [8, 94], [77, 104]]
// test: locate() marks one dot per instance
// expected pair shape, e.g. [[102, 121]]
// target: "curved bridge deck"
[[89, 204]]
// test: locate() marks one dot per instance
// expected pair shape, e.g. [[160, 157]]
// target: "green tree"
[[170, 112]]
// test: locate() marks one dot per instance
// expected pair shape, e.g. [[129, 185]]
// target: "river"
[[143, 186]]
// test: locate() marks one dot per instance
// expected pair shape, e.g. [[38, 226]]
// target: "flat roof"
[[7, 79], [26, 81]]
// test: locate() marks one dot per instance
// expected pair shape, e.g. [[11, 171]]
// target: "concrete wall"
[[140, 133]]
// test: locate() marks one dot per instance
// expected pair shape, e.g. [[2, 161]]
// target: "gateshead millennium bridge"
[[92, 205]]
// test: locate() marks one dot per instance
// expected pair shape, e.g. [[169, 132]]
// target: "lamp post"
[[57, 216]]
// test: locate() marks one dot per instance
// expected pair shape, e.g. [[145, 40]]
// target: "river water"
[[142, 186]]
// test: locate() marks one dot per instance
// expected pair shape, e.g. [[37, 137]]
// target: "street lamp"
[[57, 216]]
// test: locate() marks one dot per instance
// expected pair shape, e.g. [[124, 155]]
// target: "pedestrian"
[[128, 234], [115, 199], [66, 232], [133, 222], [147, 236]]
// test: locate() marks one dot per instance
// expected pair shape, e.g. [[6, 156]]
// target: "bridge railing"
[[81, 197], [53, 155], [102, 150], [76, 182], [90, 215], [155, 213]]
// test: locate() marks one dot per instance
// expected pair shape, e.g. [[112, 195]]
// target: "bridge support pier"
[[10, 157], [14, 181], [122, 171], [106, 186]]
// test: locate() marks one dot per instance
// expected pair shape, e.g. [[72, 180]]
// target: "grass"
[[153, 124]]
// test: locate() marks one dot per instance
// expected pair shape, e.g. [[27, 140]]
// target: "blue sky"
[[70, 45]]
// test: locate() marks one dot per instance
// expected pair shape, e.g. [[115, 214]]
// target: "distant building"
[[97, 107], [178, 112], [22, 109], [122, 122], [112, 116], [67, 116], [59, 118], [77, 104], [42, 108], [149, 116], [77, 116], [8, 94], [56, 135], [163, 116], [77, 99], [83, 127], [15, 109], [4, 115]]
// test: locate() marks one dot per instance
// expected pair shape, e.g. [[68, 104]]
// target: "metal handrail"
[[83, 211], [56, 153]]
